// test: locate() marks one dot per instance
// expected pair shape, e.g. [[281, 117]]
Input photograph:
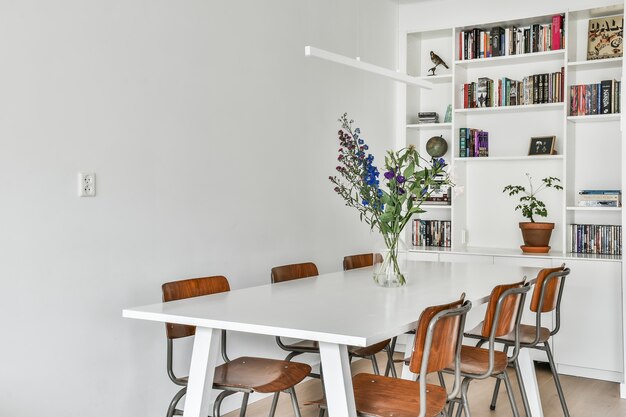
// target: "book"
[[605, 37]]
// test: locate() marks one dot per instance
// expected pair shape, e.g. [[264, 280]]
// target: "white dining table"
[[337, 309]]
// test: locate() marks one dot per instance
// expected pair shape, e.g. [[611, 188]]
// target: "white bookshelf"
[[482, 216]]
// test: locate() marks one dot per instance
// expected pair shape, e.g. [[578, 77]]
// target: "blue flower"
[[365, 202], [361, 141], [379, 193], [357, 130]]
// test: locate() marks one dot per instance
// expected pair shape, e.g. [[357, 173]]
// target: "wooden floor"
[[585, 397]]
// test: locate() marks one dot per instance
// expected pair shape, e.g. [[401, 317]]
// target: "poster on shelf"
[[605, 37]]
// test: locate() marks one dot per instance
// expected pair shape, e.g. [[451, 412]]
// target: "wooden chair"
[[437, 344], [244, 374], [504, 311], [305, 270], [546, 298]]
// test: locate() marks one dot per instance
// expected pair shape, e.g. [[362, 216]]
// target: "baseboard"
[[601, 374]]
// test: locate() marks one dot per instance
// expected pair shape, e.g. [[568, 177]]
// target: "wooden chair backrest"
[[444, 340], [188, 288], [293, 271], [361, 261], [551, 292], [508, 311]]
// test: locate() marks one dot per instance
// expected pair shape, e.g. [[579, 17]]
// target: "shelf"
[[511, 158], [595, 118], [575, 208], [511, 59], [436, 206], [429, 126], [474, 250], [528, 107], [436, 79], [597, 63]]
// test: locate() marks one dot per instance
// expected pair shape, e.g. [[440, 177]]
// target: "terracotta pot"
[[536, 236]]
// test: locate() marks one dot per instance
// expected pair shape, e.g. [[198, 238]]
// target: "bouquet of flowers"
[[408, 179]]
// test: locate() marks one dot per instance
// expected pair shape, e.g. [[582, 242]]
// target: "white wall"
[[212, 138]]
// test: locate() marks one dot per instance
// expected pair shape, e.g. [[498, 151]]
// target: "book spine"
[[462, 143], [606, 97]]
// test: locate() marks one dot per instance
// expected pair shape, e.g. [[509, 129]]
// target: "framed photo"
[[605, 37], [542, 145]]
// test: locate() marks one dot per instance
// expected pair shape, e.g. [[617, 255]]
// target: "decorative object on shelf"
[[448, 116], [606, 37], [425, 117], [536, 235], [437, 61], [542, 145], [407, 179], [436, 146]]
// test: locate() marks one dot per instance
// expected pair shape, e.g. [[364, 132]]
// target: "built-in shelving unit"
[[479, 208]]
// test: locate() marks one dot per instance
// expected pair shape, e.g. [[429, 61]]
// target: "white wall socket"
[[86, 184]]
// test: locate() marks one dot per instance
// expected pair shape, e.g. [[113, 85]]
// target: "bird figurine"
[[437, 61]]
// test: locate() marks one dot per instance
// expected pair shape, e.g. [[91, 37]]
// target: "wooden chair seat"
[[526, 334], [313, 347], [259, 374], [475, 361], [381, 396]]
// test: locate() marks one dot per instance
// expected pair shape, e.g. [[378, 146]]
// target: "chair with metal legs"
[[503, 315], [305, 270], [244, 374], [546, 298], [437, 344]]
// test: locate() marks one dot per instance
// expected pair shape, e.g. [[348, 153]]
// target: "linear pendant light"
[[311, 51]]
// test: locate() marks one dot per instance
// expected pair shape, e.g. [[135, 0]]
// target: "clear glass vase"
[[390, 273]]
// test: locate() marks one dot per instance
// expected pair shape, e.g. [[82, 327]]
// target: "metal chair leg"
[[390, 365], [391, 348], [557, 381], [172, 408], [294, 402], [496, 389], [274, 404], [322, 412], [375, 364], [442, 381], [520, 382], [244, 404], [218, 402], [464, 388], [292, 355], [509, 391]]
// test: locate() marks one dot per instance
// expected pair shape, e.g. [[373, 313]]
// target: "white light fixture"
[[311, 51]]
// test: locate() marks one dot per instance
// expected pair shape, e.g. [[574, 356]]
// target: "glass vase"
[[390, 273]]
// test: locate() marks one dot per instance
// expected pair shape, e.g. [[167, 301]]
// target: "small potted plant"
[[536, 235]]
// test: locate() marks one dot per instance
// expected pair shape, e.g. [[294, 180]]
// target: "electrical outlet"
[[86, 184]]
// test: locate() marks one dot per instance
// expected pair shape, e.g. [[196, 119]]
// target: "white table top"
[[341, 307]]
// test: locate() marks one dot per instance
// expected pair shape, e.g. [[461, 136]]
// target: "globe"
[[436, 146]]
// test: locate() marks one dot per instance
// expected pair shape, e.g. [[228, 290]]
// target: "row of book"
[[599, 198], [533, 89], [473, 143], [497, 41], [596, 239], [432, 233], [599, 98], [440, 192]]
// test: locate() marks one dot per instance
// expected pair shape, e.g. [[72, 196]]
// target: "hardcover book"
[[605, 37]]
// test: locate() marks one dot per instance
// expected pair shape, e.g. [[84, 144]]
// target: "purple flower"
[[389, 175], [401, 191], [400, 179]]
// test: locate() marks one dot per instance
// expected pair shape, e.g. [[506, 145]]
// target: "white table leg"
[[408, 349], [337, 380], [201, 372], [527, 368]]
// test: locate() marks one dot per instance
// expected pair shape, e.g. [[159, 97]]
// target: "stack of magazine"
[[599, 198]]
